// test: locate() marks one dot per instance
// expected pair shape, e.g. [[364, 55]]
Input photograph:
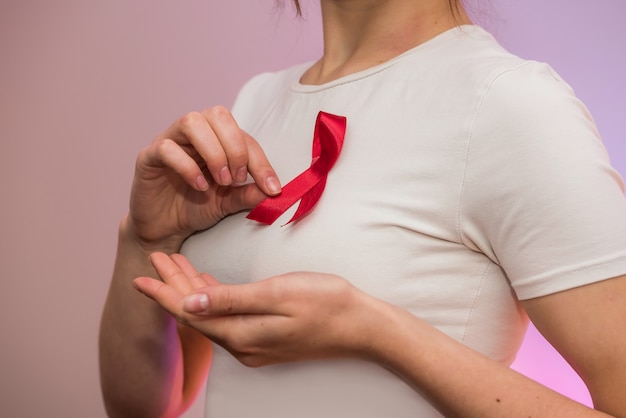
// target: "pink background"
[[85, 85]]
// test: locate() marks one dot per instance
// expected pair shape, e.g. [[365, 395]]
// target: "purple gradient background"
[[85, 85]]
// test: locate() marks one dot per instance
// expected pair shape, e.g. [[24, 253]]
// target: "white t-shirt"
[[469, 179]]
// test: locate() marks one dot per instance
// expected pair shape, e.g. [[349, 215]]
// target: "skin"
[[304, 316], [154, 360], [184, 181]]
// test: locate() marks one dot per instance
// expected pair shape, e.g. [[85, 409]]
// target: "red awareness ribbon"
[[307, 186]]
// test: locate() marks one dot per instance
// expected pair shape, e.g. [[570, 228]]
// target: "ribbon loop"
[[307, 186]]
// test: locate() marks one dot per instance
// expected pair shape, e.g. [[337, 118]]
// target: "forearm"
[[460, 381], [140, 353]]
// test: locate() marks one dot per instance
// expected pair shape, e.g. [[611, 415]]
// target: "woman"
[[471, 192]]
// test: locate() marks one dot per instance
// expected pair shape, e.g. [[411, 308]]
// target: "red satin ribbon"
[[308, 185]]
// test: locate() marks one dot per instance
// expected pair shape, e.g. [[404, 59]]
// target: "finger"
[[196, 304], [171, 274], [232, 139], [165, 295], [194, 132], [241, 198], [184, 265], [260, 168], [167, 153], [228, 150], [246, 299], [208, 280], [197, 280]]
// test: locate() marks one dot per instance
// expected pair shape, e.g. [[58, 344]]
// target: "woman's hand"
[[192, 176], [291, 317]]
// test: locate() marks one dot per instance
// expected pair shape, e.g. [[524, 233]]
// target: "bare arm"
[[142, 354], [582, 323], [586, 325], [327, 317], [185, 181]]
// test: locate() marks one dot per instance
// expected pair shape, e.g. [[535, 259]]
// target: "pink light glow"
[[538, 360], [85, 84]]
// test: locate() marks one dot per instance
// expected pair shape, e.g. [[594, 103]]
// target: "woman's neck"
[[359, 34]]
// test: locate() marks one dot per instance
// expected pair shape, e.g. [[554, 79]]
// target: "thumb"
[[243, 197], [196, 304], [218, 300]]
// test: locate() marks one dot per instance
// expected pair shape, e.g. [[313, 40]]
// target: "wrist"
[[373, 324], [129, 236], [390, 331]]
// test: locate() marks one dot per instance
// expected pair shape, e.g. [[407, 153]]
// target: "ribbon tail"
[[272, 207], [309, 200]]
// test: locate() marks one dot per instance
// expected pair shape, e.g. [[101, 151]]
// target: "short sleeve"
[[540, 197]]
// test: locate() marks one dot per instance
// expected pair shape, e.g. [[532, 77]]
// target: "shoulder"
[[529, 109], [467, 64], [531, 87], [497, 74]]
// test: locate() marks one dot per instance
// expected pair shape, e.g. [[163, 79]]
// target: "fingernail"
[[273, 185], [196, 303], [225, 177], [202, 184], [241, 175]]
